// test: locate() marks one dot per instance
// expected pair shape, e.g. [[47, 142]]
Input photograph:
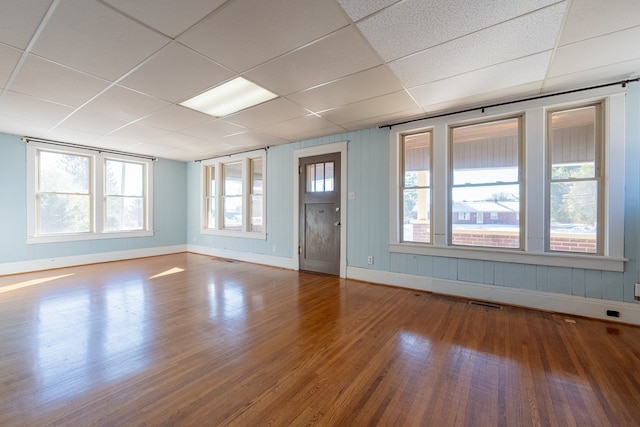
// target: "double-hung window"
[[76, 194], [415, 204], [574, 179], [64, 193], [233, 195], [486, 184]]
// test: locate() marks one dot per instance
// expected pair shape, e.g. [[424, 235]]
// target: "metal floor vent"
[[486, 304]]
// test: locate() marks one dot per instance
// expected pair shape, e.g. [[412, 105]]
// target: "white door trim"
[[337, 147]]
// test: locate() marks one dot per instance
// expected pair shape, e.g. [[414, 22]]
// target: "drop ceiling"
[[112, 73]]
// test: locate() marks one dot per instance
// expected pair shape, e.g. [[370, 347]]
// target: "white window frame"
[[428, 187], [534, 193], [97, 191], [218, 226], [479, 215]]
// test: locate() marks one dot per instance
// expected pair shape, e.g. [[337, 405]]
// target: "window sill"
[[589, 262], [258, 235], [87, 236]]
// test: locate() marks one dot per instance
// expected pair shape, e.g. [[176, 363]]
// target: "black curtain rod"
[[232, 154], [28, 139], [500, 104]]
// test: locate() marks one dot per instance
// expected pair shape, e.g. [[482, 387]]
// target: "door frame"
[[337, 147]]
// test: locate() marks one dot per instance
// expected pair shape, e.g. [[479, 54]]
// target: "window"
[[75, 194], [232, 201], [415, 206], [210, 196], [320, 177], [574, 179], [531, 183], [63, 196], [256, 194], [124, 196], [485, 176], [239, 180]]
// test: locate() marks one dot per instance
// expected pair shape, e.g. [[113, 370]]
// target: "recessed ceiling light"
[[230, 97]]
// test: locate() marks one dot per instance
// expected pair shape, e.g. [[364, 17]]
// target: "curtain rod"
[[232, 154], [500, 104], [28, 139]]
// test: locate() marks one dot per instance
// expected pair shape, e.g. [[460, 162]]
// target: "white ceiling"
[[111, 73]]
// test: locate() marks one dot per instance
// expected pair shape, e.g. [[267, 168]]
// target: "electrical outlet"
[[637, 291], [370, 260]]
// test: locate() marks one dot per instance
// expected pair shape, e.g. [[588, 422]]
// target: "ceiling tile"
[[356, 87], [95, 39], [175, 74], [413, 25], [529, 34], [383, 119], [251, 139], [358, 9], [139, 132], [214, 129], [593, 18], [175, 118], [176, 140], [606, 74], [611, 49], [115, 143], [167, 16], [26, 107], [90, 121], [266, 114], [381, 105], [342, 53], [9, 58], [482, 99], [513, 73], [20, 19], [123, 103], [302, 128], [185, 154], [250, 32], [16, 126], [46, 80], [72, 135]]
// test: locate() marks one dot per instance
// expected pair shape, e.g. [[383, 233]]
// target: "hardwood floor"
[[212, 342]]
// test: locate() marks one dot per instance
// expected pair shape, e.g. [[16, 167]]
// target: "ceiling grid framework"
[[112, 73]]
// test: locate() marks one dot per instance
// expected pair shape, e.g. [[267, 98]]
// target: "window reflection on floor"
[[63, 346], [84, 340]]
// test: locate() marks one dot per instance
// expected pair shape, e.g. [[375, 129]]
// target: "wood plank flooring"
[[190, 340]]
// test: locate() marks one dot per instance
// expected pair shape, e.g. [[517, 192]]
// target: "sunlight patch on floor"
[[173, 270], [32, 282]]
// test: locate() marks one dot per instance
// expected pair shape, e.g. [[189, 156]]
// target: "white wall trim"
[[70, 261], [558, 303], [336, 147], [269, 260]]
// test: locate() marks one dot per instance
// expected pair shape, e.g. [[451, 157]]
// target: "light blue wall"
[[367, 218], [368, 221], [169, 199]]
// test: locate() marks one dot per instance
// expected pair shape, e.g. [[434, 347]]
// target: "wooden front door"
[[320, 212]]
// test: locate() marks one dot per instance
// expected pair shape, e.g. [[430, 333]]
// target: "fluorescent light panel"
[[232, 96]]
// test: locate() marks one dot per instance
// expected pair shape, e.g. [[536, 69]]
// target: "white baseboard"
[[70, 261], [546, 301], [269, 260]]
